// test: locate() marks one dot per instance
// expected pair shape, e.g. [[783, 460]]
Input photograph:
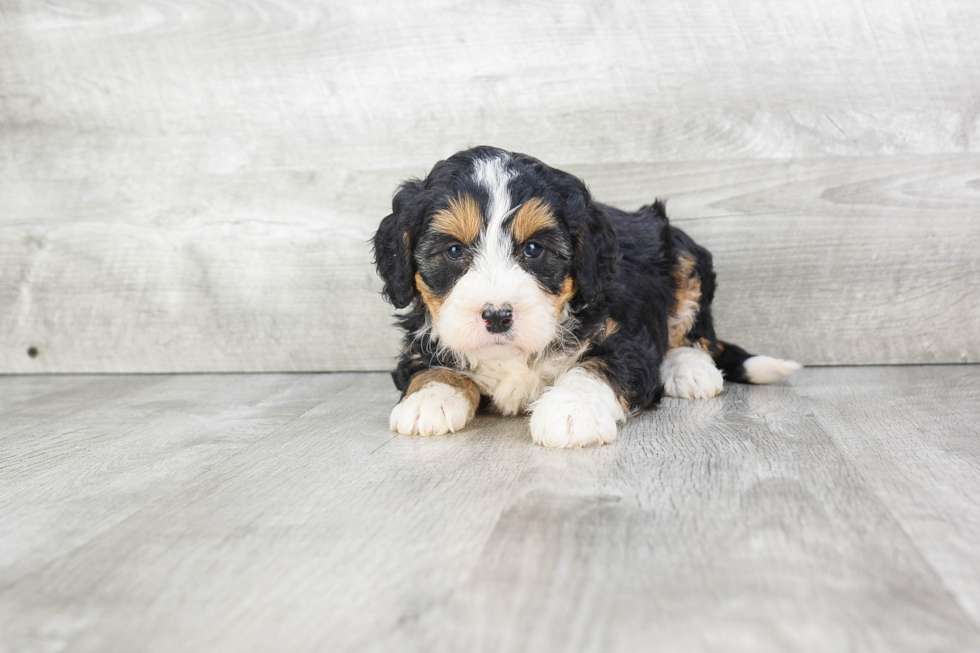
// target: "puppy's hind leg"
[[690, 373], [691, 367]]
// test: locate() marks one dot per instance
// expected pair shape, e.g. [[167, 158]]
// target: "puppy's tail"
[[740, 366]]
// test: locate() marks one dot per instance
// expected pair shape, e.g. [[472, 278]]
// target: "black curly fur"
[[622, 265]]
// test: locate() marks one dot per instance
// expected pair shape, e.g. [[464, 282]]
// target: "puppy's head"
[[498, 248]]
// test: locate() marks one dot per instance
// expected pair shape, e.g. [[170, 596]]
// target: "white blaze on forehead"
[[494, 253], [493, 175], [496, 279]]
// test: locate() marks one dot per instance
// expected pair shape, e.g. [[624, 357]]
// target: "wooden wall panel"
[[190, 186]]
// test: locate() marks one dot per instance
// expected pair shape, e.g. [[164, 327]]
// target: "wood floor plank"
[[65, 480], [918, 445], [740, 524], [31, 401], [736, 525]]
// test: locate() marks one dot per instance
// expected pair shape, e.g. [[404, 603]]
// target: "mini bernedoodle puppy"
[[529, 296]]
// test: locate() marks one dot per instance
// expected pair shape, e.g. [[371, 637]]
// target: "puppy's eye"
[[455, 252], [533, 250]]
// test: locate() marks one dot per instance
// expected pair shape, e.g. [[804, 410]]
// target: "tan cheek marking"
[[687, 294], [566, 292], [449, 377], [531, 218], [432, 301], [461, 220]]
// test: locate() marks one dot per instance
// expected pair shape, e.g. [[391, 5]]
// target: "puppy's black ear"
[[596, 248], [393, 245]]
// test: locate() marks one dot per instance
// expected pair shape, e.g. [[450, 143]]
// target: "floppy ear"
[[393, 246], [596, 249]]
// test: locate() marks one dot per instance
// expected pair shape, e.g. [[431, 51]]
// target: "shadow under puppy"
[[529, 296]]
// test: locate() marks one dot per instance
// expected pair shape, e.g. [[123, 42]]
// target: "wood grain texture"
[[825, 261], [836, 512], [190, 187], [922, 457], [131, 441]]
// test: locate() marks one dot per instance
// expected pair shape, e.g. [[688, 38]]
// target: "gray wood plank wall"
[[189, 186]]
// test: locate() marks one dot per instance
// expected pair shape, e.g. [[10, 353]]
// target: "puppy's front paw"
[[435, 409], [582, 415], [690, 373]]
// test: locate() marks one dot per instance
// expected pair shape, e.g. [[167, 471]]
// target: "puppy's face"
[[488, 243], [493, 265]]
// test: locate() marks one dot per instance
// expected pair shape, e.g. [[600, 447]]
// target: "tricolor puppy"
[[529, 296]]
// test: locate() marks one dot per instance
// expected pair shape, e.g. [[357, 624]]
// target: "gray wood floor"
[[837, 512]]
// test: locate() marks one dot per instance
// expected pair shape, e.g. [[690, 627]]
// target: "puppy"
[[528, 296]]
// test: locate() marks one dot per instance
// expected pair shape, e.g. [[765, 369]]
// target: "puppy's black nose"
[[498, 320]]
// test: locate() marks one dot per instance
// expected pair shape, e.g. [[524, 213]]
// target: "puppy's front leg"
[[438, 401], [579, 410]]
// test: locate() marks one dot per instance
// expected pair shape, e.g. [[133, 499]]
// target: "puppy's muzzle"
[[498, 320]]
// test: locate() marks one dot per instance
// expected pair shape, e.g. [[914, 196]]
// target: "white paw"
[[436, 409], [579, 411], [690, 373]]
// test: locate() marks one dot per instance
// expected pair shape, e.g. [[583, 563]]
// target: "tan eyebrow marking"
[[461, 219], [532, 217]]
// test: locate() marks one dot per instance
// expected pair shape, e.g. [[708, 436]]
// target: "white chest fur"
[[512, 379]]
